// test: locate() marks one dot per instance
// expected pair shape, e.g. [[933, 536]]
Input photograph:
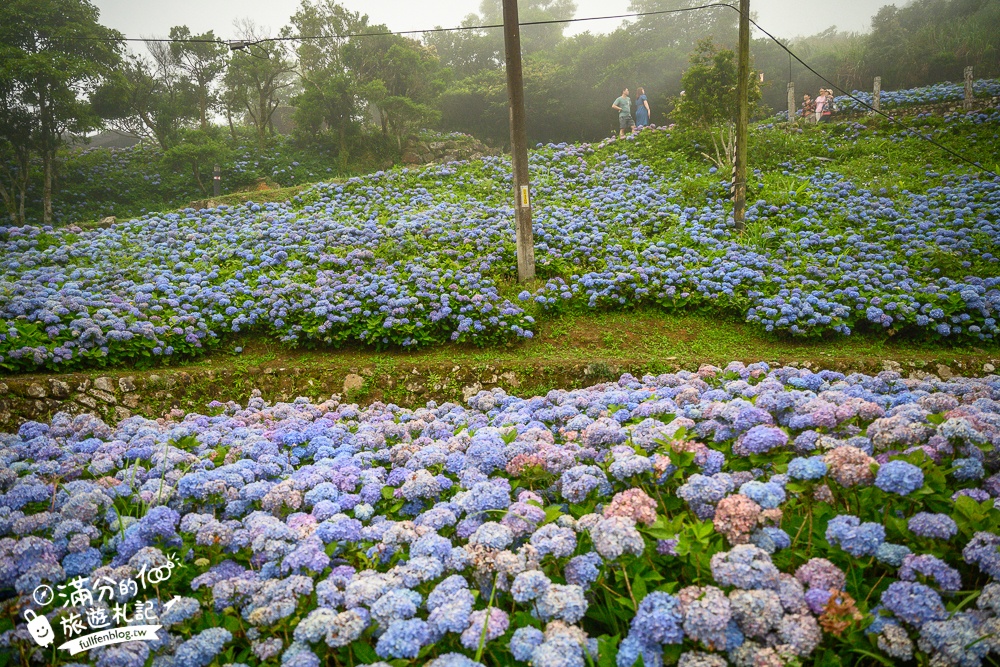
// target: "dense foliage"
[[97, 182], [743, 516], [52, 54], [904, 243], [570, 86]]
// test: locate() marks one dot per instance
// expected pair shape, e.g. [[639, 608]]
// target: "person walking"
[[641, 108], [623, 105]]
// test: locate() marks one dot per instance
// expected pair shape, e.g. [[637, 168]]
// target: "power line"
[[293, 38]]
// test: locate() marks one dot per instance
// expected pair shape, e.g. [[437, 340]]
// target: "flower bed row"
[[745, 516]]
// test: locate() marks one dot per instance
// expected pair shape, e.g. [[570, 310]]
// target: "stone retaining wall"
[[117, 396], [450, 150], [114, 397]]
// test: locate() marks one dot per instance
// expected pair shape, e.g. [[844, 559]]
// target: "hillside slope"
[[851, 227]]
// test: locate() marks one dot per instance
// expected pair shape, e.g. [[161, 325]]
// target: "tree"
[[198, 151], [710, 87], [400, 78], [202, 58], [255, 78], [148, 98], [329, 92], [534, 38], [465, 52], [681, 29], [53, 53], [16, 129], [470, 52]]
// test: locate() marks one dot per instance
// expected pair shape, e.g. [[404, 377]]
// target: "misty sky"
[[148, 18]]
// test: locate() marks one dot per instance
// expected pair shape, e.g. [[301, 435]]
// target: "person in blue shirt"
[[641, 108], [623, 105]]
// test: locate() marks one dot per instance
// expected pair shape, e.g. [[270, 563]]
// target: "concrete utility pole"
[[967, 102], [518, 143], [743, 105], [791, 102], [877, 94]]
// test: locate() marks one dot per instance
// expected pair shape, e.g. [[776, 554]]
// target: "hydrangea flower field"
[[411, 257], [747, 516], [936, 94]]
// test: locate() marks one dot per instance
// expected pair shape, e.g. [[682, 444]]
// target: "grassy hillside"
[[852, 227]]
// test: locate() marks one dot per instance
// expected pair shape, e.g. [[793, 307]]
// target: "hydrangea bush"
[[745, 516]]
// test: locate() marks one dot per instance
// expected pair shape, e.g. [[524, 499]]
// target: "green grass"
[[646, 336]]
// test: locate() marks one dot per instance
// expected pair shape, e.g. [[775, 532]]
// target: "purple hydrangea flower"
[[937, 526], [658, 620], [759, 439]]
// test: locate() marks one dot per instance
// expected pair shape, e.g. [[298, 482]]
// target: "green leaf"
[[881, 658], [364, 651], [639, 589], [387, 492], [607, 651], [552, 512]]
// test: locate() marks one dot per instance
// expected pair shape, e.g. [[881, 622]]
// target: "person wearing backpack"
[[824, 108]]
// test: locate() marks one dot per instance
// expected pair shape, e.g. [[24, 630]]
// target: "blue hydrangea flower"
[[564, 602], [529, 585], [658, 620], [579, 481], [583, 570], [201, 649], [807, 468], [492, 535], [946, 577], [403, 639], [891, 554], [955, 641], [524, 641], [555, 540], [968, 469], [766, 494], [744, 566], [899, 477], [856, 538], [913, 603]]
